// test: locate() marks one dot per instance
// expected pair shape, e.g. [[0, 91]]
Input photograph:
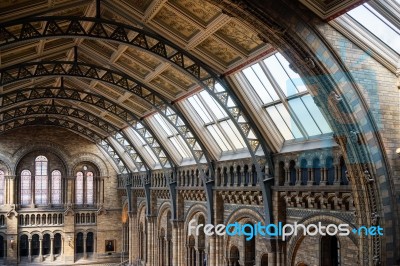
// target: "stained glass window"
[[26, 187], [79, 188], [2, 186], [89, 188], [41, 180], [56, 187]]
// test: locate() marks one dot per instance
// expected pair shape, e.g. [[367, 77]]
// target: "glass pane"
[[219, 138], [216, 109], [255, 76], [164, 124], [304, 116], [89, 188], [56, 187], [280, 76], [151, 153], [139, 137], [200, 108], [2, 182], [298, 82], [25, 187], [232, 134], [279, 123], [178, 143], [316, 114], [79, 188], [377, 25]]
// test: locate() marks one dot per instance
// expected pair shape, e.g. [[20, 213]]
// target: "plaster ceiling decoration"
[[199, 10], [171, 21], [216, 50]]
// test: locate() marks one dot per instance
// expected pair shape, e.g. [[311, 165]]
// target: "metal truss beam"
[[101, 29], [70, 94]]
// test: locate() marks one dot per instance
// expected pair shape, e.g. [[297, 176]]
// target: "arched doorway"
[[264, 260], [191, 252], [46, 244], [249, 247], [35, 245], [2, 247], [79, 243], [89, 242], [234, 256], [57, 243], [23, 246]]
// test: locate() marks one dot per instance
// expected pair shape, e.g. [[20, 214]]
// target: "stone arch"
[[51, 147], [162, 210], [294, 242], [302, 44], [193, 210], [6, 164], [91, 158]]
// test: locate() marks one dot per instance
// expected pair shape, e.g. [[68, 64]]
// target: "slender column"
[[51, 249], [94, 247], [212, 254], [310, 173], [40, 250], [84, 247], [298, 175], [324, 177], [30, 249]]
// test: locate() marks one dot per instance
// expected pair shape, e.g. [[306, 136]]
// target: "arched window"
[[89, 188], [79, 188], [2, 186], [26, 187], [56, 187], [41, 180]]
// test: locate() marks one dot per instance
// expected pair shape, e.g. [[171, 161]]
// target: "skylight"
[[285, 98], [217, 121], [375, 23]]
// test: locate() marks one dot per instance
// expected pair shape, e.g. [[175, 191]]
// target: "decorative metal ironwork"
[[123, 169], [78, 69], [117, 32], [102, 29], [30, 94]]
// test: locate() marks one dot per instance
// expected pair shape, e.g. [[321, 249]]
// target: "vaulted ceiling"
[[98, 67]]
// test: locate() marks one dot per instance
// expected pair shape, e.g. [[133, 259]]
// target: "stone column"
[[29, 249], [310, 173], [51, 249], [177, 241], [324, 177], [133, 238], [41, 250], [151, 243], [211, 259], [84, 247]]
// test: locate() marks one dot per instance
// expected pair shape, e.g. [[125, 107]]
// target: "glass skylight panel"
[[164, 124], [377, 25], [304, 116], [280, 123], [316, 114], [260, 83], [216, 109], [219, 137], [140, 138], [233, 134], [151, 153], [182, 148], [200, 108], [298, 82], [280, 76]]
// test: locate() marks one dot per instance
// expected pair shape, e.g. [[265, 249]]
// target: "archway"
[[35, 245], [89, 242], [79, 243], [57, 243], [46, 244], [23, 246]]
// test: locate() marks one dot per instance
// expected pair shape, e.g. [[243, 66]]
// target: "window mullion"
[[216, 121], [284, 100]]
